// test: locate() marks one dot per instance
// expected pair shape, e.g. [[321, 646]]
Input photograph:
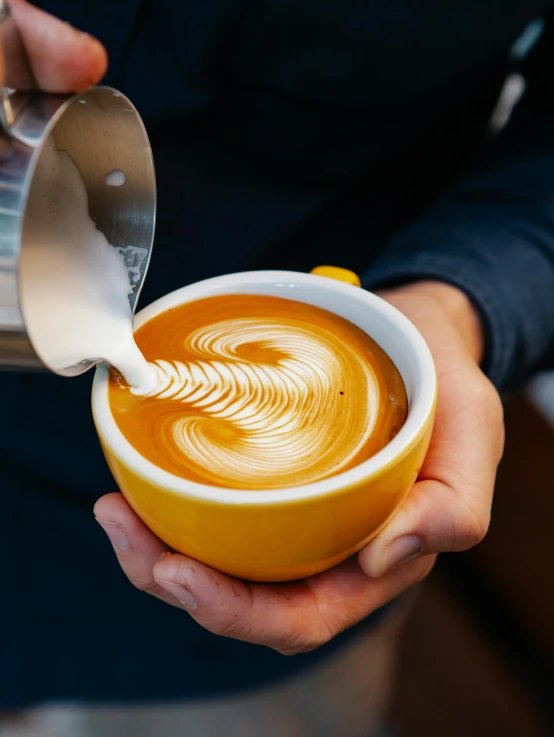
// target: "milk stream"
[[75, 286]]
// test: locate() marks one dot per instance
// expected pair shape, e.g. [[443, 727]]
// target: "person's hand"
[[41, 51], [447, 510]]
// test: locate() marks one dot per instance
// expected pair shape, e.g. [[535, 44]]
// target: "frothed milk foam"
[[75, 286], [259, 392]]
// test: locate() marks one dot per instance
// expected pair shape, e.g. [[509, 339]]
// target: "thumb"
[[435, 518], [42, 51], [448, 510]]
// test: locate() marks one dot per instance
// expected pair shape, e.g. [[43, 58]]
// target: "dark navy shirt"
[[286, 133]]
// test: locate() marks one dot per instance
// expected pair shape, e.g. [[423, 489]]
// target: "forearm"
[[492, 238], [497, 247]]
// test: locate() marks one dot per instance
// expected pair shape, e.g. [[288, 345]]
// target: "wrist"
[[457, 306]]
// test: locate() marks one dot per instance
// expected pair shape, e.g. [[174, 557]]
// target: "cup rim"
[[412, 430]]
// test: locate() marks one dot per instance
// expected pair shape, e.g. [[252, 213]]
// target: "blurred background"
[[477, 654]]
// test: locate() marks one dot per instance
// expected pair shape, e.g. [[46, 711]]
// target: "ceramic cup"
[[280, 535]]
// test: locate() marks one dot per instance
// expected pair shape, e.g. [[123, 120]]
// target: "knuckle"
[[146, 584], [490, 407], [493, 406], [472, 528], [428, 563], [463, 520], [235, 626], [301, 642]]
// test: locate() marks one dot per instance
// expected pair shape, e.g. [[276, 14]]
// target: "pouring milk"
[[76, 286]]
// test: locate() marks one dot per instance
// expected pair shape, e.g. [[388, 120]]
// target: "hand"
[[42, 51], [447, 510]]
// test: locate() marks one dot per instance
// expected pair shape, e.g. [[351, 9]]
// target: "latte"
[[259, 392]]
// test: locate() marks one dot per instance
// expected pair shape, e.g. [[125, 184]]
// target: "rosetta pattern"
[[266, 405]]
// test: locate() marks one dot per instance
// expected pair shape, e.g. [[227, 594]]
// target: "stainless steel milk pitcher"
[[102, 132]]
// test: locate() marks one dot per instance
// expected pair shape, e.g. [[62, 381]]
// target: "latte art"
[[280, 413], [262, 400]]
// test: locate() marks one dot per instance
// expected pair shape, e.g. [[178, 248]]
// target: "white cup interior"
[[386, 325]]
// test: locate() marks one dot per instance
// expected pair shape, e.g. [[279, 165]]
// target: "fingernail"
[[180, 592], [400, 551], [117, 536]]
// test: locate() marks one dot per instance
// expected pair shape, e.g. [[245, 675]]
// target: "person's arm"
[[492, 236]]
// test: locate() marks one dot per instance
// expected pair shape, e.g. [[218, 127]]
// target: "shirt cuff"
[[509, 280]]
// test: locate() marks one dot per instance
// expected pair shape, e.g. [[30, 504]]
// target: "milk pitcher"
[[104, 135]]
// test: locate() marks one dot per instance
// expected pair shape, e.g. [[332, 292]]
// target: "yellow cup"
[[281, 535]]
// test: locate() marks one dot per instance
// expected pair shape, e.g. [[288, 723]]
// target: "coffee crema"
[[259, 392]]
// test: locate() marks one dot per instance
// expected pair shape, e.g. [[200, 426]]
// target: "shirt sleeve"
[[492, 235]]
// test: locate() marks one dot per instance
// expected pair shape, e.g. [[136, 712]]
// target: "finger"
[[291, 618], [136, 547], [42, 51], [449, 508]]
